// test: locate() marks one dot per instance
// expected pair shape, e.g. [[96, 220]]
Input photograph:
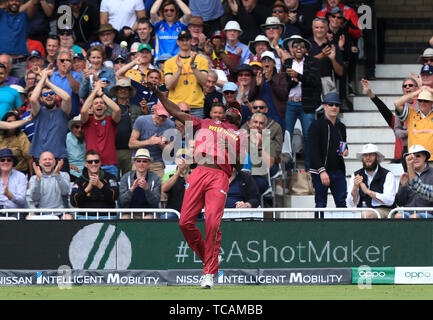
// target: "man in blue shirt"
[[68, 80], [9, 97], [233, 30], [14, 30], [51, 123]]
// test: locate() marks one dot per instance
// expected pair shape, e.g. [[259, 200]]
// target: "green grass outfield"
[[336, 292]]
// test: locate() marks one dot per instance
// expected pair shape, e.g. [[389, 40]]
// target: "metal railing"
[[229, 213], [410, 210]]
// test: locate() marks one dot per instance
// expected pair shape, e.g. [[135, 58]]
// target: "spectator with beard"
[[372, 186], [49, 187], [99, 129], [50, 122]]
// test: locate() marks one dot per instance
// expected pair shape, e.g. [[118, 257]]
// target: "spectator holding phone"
[[95, 71]]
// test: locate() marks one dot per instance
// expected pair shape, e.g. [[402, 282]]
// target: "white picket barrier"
[[410, 210], [229, 213]]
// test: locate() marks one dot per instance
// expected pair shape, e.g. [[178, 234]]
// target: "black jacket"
[[96, 198], [324, 139], [249, 190], [311, 83]]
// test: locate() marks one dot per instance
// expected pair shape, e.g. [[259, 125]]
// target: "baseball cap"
[[427, 69], [79, 56], [160, 110], [230, 86], [35, 54], [184, 34], [134, 47], [218, 34], [255, 61], [144, 46]]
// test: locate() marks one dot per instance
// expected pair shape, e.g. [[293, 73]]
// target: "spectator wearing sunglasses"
[[426, 57], [419, 122], [67, 79], [140, 188], [274, 30], [400, 127], [95, 188], [287, 17], [13, 183], [50, 122], [327, 141], [419, 172], [76, 147]]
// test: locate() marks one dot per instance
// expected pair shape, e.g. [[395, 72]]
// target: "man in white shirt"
[[121, 14], [372, 186]]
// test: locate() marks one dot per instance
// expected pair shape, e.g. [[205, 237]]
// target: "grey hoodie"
[[153, 194]]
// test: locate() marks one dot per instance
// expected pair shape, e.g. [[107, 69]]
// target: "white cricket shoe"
[[207, 281]]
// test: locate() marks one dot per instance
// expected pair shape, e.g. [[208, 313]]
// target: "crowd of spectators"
[[92, 135]]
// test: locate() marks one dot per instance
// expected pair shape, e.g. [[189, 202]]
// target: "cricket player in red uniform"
[[208, 183]]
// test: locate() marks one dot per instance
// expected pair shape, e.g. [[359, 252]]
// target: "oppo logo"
[[417, 275], [372, 274]]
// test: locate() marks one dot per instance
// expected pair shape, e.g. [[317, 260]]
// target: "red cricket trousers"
[[206, 187]]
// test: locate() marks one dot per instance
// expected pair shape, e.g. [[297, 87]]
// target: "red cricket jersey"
[[207, 133], [100, 135]]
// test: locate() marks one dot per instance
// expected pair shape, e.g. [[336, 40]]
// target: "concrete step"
[[364, 103], [386, 86], [370, 135], [363, 119], [396, 70]]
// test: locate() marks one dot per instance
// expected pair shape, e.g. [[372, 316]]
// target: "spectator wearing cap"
[[405, 196], [140, 188], [328, 54], [230, 93], [426, 57], [68, 80], [348, 12], [255, 63], [78, 62], [302, 72], [119, 62], [232, 31], [13, 183], [272, 87], [211, 13], [250, 15], [85, 21], [245, 79], [107, 35], [211, 94], [426, 76], [119, 15], [372, 186], [419, 121], [327, 142], [122, 93], [76, 147], [274, 29], [14, 23], [100, 129], [7, 61], [18, 143], [148, 132], [67, 40], [52, 46], [9, 97], [35, 60], [196, 28], [185, 76], [165, 16], [95, 71], [289, 19], [221, 58]]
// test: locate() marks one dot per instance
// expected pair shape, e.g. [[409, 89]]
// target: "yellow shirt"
[[187, 88], [420, 130], [136, 75]]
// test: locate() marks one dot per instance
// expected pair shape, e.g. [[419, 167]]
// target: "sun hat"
[[417, 148], [233, 25], [123, 83], [7, 153], [142, 153], [370, 148]]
